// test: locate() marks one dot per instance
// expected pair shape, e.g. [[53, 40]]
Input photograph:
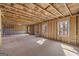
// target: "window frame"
[[44, 26], [68, 28]]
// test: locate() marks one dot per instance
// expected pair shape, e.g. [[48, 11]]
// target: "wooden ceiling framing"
[[44, 9], [68, 8], [16, 10], [35, 11], [56, 9], [31, 13]]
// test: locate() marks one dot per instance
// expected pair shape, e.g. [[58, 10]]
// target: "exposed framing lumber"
[[19, 20], [45, 10], [11, 13], [34, 10], [32, 14], [47, 7], [67, 8], [38, 13], [15, 22], [35, 15], [24, 15], [14, 19], [30, 17], [60, 18], [56, 9], [21, 15], [19, 10]]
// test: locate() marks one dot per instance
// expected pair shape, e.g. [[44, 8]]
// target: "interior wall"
[[52, 30], [32, 29], [71, 38], [10, 26], [20, 29], [9, 29], [36, 29]]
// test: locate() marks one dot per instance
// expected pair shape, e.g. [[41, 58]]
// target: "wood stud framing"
[[56, 9], [20, 11], [35, 16], [45, 10], [36, 11], [67, 8]]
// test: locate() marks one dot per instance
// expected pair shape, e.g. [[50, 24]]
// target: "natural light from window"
[[41, 41], [68, 50]]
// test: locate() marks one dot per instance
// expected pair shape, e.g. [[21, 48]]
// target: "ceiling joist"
[[20, 11], [45, 9], [20, 15], [56, 9], [39, 12], [15, 19], [43, 15], [68, 8], [29, 13]]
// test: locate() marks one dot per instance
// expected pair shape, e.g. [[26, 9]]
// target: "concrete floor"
[[29, 45]]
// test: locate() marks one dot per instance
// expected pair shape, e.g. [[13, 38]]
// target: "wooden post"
[[0, 27]]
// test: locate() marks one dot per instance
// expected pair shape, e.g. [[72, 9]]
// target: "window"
[[36, 27], [63, 28], [45, 28], [28, 29]]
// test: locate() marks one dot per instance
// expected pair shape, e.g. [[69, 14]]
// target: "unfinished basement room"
[[39, 29]]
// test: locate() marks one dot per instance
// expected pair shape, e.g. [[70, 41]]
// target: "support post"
[[0, 27]]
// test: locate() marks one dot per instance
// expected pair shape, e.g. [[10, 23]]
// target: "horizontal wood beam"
[[11, 18], [68, 8], [18, 10], [60, 17], [47, 7], [29, 13], [35, 11], [24, 16], [20, 15], [17, 17], [44, 9], [56, 9]]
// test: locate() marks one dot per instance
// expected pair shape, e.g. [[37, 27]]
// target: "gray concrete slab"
[[29, 45]]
